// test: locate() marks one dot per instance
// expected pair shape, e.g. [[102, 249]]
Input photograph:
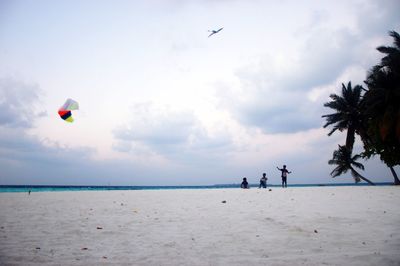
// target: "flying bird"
[[214, 32]]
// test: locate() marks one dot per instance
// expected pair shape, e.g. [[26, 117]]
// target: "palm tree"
[[348, 113], [392, 58], [381, 107], [345, 162]]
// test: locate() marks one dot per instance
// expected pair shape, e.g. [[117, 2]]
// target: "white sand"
[[354, 226]]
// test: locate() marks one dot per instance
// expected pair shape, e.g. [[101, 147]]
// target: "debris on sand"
[[224, 201]]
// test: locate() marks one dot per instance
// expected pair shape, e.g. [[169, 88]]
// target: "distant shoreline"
[[48, 188]]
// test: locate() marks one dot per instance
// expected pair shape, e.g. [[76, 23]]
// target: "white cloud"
[[175, 134]]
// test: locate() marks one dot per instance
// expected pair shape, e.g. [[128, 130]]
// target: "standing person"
[[244, 184], [284, 174], [263, 181]]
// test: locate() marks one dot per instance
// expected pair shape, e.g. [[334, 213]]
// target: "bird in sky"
[[214, 32]]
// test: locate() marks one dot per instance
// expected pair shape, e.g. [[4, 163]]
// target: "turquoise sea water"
[[36, 188]]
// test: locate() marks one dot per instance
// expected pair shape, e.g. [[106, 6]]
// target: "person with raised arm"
[[284, 174]]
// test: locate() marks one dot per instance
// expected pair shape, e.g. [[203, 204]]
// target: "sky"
[[161, 103]]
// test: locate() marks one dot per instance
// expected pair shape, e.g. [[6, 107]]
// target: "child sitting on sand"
[[263, 181], [244, 184]]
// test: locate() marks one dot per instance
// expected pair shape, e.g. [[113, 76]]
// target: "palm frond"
[[387, 50], [339, 170], [396, 37], [358, 165]]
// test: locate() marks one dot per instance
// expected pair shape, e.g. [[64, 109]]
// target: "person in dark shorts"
[[284, 174], [244, 184], [263, 181]]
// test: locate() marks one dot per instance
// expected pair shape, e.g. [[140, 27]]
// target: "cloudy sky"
[[163, 104]]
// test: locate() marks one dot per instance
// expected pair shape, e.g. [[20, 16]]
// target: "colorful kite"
[[65, 110]]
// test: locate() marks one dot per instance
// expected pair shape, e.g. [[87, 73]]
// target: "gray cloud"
[[26, 159], [19, 103], [17, 145], [378, 17], [276, 100], [323, 58], [291, 118], [271, 106], [158, 127]]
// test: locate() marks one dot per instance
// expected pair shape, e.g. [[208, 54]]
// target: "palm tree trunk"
[[367, 180], [363, 178], [350, 138], [396, 178]]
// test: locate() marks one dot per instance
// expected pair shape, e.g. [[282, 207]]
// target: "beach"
[[293, 226]]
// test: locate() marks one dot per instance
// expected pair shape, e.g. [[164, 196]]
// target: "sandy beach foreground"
[[293, 226]]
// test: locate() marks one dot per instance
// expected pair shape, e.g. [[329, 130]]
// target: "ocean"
[[47, 188]]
